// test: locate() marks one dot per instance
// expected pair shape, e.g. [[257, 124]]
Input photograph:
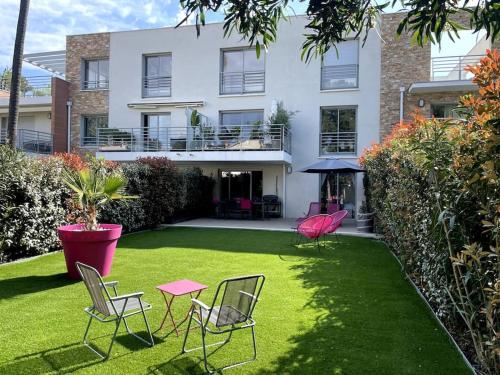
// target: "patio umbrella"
[[332, 165]]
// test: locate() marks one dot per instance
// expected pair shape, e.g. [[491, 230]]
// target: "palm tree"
[[17, 63]]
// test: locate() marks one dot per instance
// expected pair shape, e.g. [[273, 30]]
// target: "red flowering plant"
[[434, 186]]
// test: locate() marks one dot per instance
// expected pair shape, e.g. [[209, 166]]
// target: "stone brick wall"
[[78, 49], [404, 63], [59, 110]]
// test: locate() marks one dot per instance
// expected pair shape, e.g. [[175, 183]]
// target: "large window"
[[444, 110], [242, 72], [157, 80], [338, 130], [240, 184], [340, 66], [89, 129], [96, 74], [339, 188], [240, 118], [154, 135]]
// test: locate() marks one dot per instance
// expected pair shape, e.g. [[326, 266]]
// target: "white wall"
[[38, 121], [195, 76]]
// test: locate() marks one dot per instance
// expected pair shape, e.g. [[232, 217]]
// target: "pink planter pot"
[[95, 248]]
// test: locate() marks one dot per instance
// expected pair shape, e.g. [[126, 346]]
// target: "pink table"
[[177, 289]]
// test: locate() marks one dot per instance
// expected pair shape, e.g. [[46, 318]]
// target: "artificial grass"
[[347, 310]]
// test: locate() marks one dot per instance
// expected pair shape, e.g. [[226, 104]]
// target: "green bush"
[[32, 205], [198, 192]]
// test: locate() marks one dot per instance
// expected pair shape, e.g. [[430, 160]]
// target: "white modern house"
[[209, 102]]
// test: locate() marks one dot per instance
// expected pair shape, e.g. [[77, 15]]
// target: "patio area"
[[281, 225], [346, 310]]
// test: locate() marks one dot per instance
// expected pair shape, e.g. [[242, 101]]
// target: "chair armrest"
[[251, 296], [109, 283], [127, 296], [199, 303]]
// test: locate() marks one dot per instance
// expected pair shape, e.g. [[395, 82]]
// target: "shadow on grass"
[[64, 359], [179, 366], [18, 286]]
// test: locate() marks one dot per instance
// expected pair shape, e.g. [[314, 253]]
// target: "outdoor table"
[[176, 289]]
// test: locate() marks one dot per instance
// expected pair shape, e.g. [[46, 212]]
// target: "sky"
[[49, 21]]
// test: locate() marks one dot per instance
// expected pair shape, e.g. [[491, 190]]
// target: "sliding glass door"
[[240, 184], [339, 188]]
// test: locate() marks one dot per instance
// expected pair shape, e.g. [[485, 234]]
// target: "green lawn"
[[347, 310]]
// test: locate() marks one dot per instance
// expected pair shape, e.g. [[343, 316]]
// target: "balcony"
[[338, 143], [242, 82], [102, 84], [339, 77], [31, 141], [31, 87], [222, 143], [448, 74], [156, 86]]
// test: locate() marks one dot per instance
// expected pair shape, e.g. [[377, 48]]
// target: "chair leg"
[[187, 332], [130, 332], [87, 344]]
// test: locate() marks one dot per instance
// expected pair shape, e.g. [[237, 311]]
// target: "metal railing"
[[242, 82], [338, 142], [452, 68], [272, 137], [31, 141], [31, 86], [156, 86], [339, 76], [95, 85]]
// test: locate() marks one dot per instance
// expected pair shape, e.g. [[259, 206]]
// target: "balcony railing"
[[31, 86], [338, 143], [31, 141], [102, 84], [156, 86], [339, 76], [242, 82], [452, 68], [181, 139]]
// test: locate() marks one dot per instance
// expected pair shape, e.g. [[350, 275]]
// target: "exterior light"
[[421, 103]]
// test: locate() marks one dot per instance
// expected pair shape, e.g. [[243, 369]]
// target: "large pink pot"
[[95, 248]]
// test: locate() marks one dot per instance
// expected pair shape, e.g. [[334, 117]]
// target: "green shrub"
[[198, 192], [32, 204]]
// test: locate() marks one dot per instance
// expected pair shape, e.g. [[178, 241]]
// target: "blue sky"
[[51, 20]]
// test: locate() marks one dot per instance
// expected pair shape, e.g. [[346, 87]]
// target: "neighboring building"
[[42, 124], [206, 102]]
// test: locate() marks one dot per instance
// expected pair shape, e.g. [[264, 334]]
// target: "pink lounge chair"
[[314, 227], [314, 209], [331, 208], [337, 219]]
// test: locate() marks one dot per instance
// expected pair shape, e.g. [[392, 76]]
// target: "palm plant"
[[94, 188]]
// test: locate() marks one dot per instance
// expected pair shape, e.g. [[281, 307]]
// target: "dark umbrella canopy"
[[333, 165]]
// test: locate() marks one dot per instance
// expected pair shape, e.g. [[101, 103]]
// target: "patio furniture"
[[314, 209], [246, 207], [332, 208], [231, 310], [177, 289], [314, 227], [337, 217], [107, 308]]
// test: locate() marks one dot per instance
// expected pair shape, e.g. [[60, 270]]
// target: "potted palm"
[[90, 242]]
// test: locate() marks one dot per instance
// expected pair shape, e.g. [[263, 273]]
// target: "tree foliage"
[[331, 21]]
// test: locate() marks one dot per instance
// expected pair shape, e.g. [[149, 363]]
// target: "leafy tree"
[[330, 21], [6, 79]]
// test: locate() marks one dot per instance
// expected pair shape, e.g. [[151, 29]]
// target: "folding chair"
[[236, 299], [108, 309]]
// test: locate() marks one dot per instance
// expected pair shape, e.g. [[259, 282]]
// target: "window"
[[444, 110], [96, 74], [338, 130], [157, 80], [242, 72], [89, 128], [240, 184], [339, 188], [340, 66], [154, 131], [239, 118], [3, 129]]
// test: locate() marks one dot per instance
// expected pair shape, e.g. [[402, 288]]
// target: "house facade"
[[210, 102]]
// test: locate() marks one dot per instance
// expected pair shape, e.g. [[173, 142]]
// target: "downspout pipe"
[[69, 104], [402, 90]]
